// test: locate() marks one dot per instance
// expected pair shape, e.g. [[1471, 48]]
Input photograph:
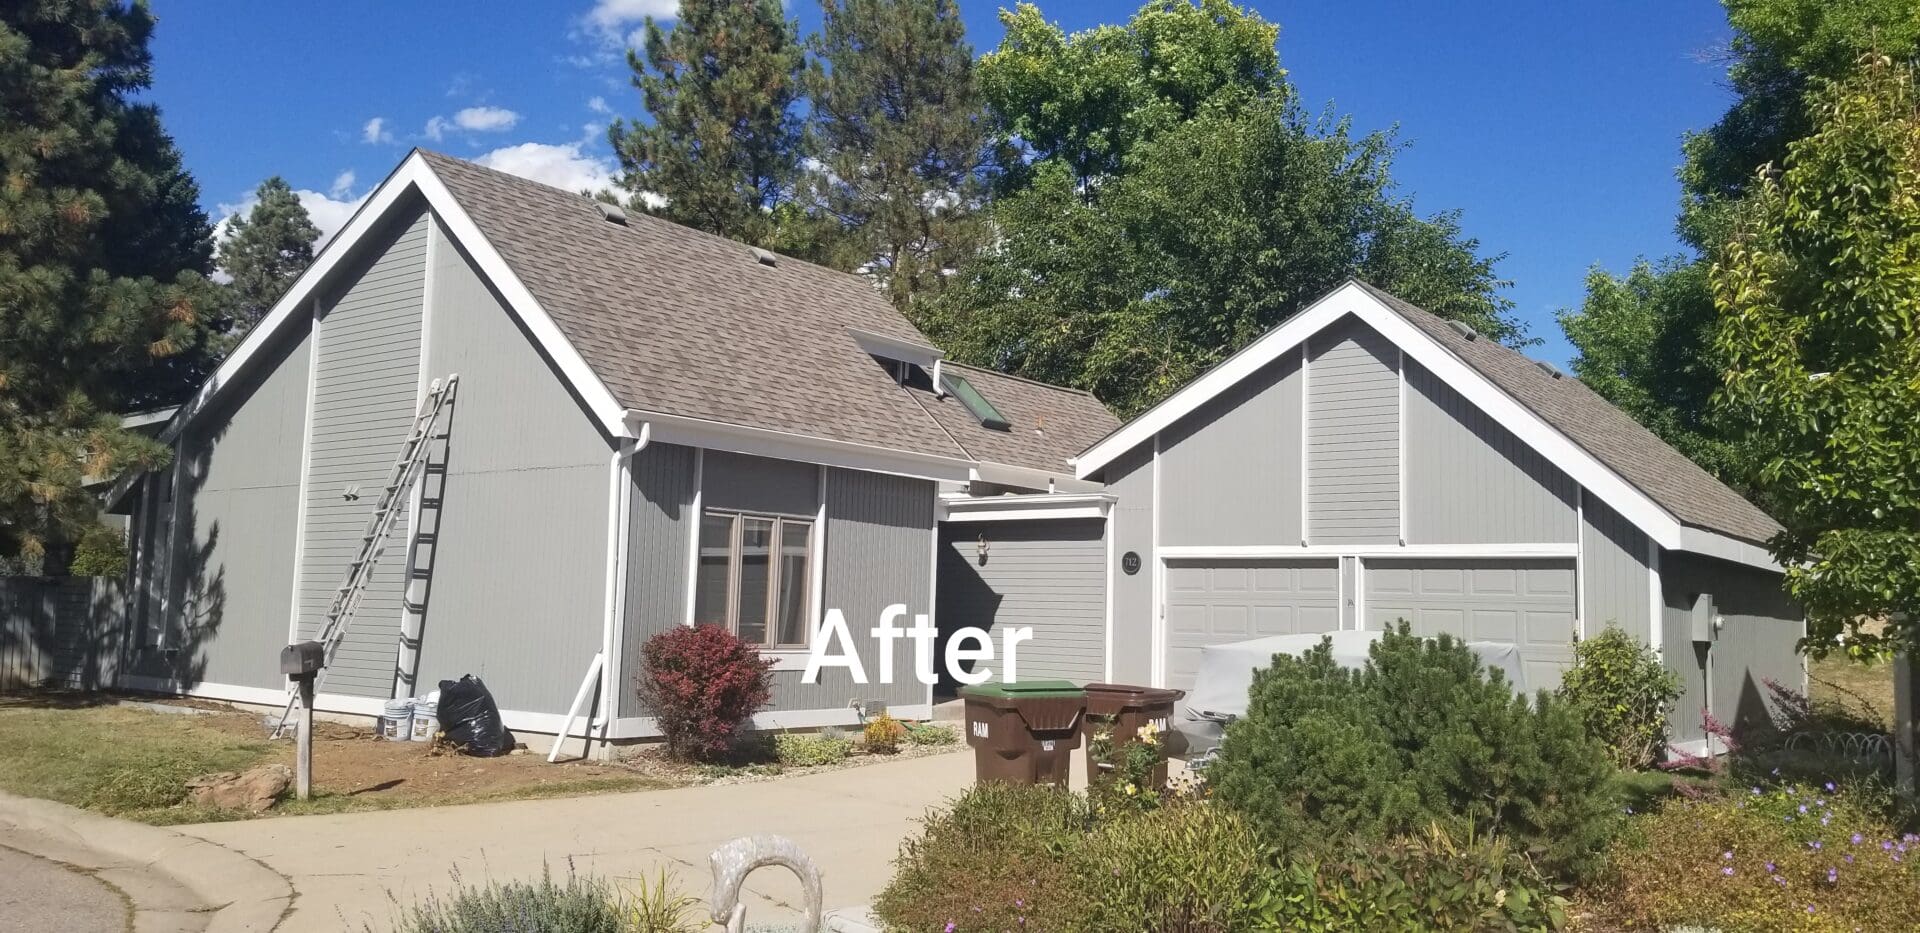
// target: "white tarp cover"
[[1226, 671]]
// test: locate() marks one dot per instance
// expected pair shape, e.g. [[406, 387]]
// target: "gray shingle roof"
[[1640, 457], [683, 322]]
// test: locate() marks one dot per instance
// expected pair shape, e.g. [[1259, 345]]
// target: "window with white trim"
[[753, 577]]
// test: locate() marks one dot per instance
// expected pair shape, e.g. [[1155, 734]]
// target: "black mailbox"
[[302, 659]]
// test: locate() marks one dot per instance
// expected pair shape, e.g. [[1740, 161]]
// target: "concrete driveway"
[[361, 868]]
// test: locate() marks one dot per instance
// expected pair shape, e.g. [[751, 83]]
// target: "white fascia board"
[[1004, 474], [1024, 508], [766, 442], [1714, 544], [895, 348], [1372, 552], [1645, 514], [412, 175]]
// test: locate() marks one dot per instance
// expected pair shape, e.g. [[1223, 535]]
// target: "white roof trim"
[[1636, 506], [413, 175], [1714, 544], [1005, 474], [895, 348], [1024, 508]]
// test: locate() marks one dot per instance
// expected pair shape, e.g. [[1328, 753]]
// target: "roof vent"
[[1463, 329], [1549, 369], [764, 257], [611, 213]]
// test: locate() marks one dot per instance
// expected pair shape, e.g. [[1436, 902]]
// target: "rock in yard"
[[253, 790]]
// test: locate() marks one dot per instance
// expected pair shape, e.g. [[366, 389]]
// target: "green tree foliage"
[[1643, 340], [724, 143], [1819, 293], [105, 304], [902, 137], [1423, 737], [265, 250], [1174, 204]]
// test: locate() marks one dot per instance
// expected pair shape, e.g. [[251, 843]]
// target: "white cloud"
[[563, 166], [610, 15], [437, 127], [342, 185], [375, 131], [486, 119], [598, 104]]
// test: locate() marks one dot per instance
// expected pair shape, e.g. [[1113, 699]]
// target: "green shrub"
[[1804, 857], [581, 905], [1413, 883], [927, 733], [796, 750], [998, 859], [1193, 867], [1423, 737], [882, 734], [100, 552], [1622, 694], [1124, 776]]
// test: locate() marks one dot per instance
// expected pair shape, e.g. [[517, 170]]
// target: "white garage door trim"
[[1163, 674]]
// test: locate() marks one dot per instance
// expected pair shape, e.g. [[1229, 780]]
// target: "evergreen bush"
[[1423, 737], [1622, 694]]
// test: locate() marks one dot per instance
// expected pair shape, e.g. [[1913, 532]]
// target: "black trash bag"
[[470, 721]]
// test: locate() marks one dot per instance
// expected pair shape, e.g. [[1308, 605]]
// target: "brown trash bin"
[[1024, 732], [1124, 708]]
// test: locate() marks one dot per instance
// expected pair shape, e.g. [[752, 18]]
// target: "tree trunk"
[[1906, 733]]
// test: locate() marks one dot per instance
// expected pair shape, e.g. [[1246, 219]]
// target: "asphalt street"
[[39, 895]]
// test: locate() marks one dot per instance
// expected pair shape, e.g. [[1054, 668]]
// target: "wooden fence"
[[63, 632]]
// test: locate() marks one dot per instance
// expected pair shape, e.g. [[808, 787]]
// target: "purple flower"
[[1781, 881], [1833, 875], [1018, 902], [1856, 838], [1809, 908], [1727, 855], [1728, 871], [1849, 858], [1803, 808], [1756, 791], [1769, 868], [1825, 819], [1814, 845], [1886, 846], [951, 927], [1829, 787]]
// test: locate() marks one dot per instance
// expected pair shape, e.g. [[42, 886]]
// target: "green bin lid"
[[1025, 689]]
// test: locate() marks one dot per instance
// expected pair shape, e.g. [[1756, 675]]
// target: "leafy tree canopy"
[[1177, 204], [723, 148], [1819, 293], [105, 304], [902, 139], [265, 250]]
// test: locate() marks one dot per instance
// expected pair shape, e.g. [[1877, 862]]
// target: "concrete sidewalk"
[[362, 868]]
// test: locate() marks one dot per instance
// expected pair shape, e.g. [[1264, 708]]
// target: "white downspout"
[[619, 482]]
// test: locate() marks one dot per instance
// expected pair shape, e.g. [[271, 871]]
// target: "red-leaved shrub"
[[702, 684]]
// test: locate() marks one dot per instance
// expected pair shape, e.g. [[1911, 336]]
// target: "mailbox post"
[[301, 662]]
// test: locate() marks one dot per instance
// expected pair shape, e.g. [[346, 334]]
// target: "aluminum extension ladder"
[[373, 544]]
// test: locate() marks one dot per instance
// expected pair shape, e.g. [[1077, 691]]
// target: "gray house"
[[1367, 461], [653, 427]]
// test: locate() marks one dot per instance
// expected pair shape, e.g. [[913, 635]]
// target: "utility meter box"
[[1701, 618], [303, 659]]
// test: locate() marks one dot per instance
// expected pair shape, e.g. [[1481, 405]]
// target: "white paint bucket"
[[397, 724], [426, 720]]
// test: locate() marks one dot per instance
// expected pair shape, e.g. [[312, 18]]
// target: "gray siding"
[[657, 539], [514, 563], [1353, 436], [1755, 645], [65, 632], [1047, 575], [365, 393], [1130, 480], [1471, 481], [758, 484], [880, 541], [1231, 471], [1613, 556], [238, 511]]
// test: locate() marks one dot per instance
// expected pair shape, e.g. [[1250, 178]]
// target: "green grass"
[[125, 762]]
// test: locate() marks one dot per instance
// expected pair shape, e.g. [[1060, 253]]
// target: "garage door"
[[1529, 603], [1220, 601]]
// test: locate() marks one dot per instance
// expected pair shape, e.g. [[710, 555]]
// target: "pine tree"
[[104, 252], [722, 152], [265, 250], [902, 135]]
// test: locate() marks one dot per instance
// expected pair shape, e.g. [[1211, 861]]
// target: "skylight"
[[977, 404]]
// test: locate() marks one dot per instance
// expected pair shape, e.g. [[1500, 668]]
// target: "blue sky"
[[1555, 128]]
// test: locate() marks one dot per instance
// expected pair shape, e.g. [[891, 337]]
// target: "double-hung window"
[[753, 577]]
